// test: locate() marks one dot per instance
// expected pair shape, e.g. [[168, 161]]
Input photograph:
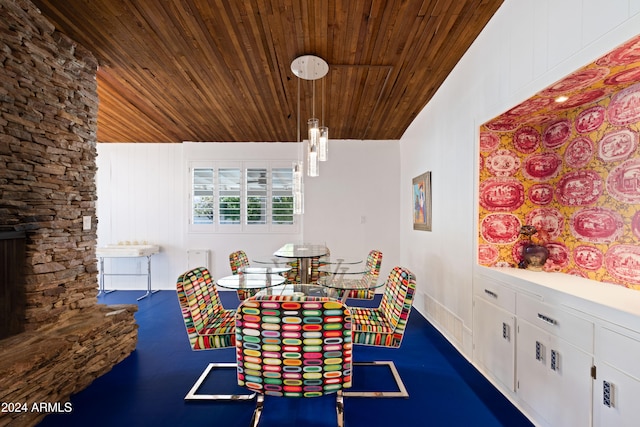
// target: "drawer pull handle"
[[547, 319], [607, 394], [491, 293], [505, 331], [539, 351], [555, 360]]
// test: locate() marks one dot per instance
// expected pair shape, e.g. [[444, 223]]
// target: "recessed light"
[[561, 98]]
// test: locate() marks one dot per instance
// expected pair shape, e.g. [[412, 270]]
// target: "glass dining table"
[[253, 278], [303, 253], [338, 260], [295, 291], [342, 278], [274, 269], [269, 261], [340, 269]]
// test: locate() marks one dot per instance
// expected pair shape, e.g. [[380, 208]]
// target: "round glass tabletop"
[[349, 284], [250, 281], [270, 260], [343, 269], [265, 270], [296, 290], [340, 260], [291, 250]]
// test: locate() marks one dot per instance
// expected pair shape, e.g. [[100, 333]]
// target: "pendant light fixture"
[[310, 67]]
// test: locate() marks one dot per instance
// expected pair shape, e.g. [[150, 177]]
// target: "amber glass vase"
[[535, 256]]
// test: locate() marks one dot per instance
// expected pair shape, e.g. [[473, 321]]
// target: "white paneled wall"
[[143, 195], [140, 188], [528, 45]]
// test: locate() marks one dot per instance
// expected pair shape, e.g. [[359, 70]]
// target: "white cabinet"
[[554, 360], [617, 383], [564, 349], [554, 377], [494, 338]]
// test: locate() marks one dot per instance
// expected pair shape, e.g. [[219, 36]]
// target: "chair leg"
[[340, 408], [402, 390], [193, 393], [258, 411]]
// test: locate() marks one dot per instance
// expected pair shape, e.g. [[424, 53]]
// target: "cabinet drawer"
[[557, 321], [495, 293], [618, 350]]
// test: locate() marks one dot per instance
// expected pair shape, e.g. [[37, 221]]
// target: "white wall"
[[353, 204], [143, 196], [528, 45], [140, 192]]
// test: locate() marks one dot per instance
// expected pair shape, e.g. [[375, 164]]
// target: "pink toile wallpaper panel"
[[570, 168]]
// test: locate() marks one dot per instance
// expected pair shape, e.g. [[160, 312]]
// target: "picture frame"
[[421, 198]]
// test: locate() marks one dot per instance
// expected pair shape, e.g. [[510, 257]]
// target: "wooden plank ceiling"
[[206, 70]]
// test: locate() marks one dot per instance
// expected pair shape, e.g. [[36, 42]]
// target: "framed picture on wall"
[[422, 202]]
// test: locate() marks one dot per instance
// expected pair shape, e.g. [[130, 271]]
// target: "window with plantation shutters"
[[229, 195], [257, 193], [202, 196], [241, 197]]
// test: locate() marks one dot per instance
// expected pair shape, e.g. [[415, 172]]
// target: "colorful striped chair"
[[294, 349], [209, 325], [374, 261], [385, 325], [237, 260]]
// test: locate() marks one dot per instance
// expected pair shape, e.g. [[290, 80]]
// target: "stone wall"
[[48, 110], [48, 123]]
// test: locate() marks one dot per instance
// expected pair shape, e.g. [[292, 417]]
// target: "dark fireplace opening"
[[12, 286]]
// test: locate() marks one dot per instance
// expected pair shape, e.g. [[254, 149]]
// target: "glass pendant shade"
[[323, 144], [298, 193], [312, 155], [314, 131], [312, 161]]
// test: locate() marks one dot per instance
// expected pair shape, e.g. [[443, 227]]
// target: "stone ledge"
[[52, 363]]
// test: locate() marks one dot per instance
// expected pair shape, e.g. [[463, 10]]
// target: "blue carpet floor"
[[148, 388]]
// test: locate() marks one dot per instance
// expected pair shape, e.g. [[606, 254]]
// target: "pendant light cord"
[[313, 100], [298, 110], [322, 117]]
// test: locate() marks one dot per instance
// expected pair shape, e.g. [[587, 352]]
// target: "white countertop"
[[126, 251], [610, 302]]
